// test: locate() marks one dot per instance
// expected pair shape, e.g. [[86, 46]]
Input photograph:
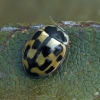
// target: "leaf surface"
[[77, 79]]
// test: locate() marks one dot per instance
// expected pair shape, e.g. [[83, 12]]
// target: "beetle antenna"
[[52, 21], [56, 24]]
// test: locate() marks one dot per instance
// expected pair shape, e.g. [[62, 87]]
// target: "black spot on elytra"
[[58, 50], [36, 44], [33, 74], [59, 58], [36, 35], [32, 63], [49, 70], [46, 51], [45, 65], [26, 51], [58, 35]]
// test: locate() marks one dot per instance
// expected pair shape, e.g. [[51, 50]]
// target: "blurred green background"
[[19, 11]]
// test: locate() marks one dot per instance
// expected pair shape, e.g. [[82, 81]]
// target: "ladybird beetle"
[[45, 50]]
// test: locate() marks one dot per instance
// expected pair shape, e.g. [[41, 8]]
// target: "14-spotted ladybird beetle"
[[45, 50]]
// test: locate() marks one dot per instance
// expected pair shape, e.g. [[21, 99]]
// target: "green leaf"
[[77, 79]]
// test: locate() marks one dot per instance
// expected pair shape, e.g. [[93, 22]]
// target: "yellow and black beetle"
[[45, 50]]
